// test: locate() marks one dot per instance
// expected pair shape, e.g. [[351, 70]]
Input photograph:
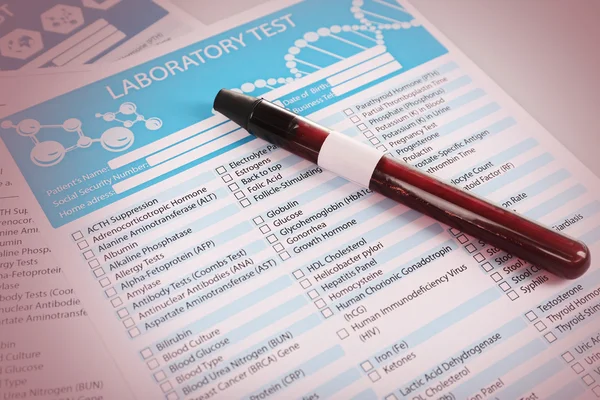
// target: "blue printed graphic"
[[36, 34], [93, 146]]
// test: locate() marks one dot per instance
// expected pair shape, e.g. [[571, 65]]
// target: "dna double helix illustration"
[[328, 45]]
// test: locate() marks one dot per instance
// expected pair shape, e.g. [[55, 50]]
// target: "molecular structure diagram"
[[316, 50], [152, 123], [47, 153]]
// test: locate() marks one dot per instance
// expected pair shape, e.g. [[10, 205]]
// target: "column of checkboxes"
[[533, 318], [502, 284], [464, 240], [225, 177], [122, 312], [159, 375], [577, 368], [313, 294], [471, 249], [364, 129], [133, 330], [321, 305], [116, 302], [484, 264], [272, 238], [90, 257], [233, 186], [370, 370], [241, 197]]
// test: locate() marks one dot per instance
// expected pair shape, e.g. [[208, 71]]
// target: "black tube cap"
[[235, 106]]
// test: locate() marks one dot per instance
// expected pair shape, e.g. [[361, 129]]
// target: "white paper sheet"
[[228, 268]]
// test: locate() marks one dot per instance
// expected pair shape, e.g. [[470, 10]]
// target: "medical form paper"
[[49, 348], [214, 265]]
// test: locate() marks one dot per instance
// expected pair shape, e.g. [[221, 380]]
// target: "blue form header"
[[69, 148]]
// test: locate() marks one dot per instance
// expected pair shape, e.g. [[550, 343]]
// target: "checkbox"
[[88, 255], [368, 134], [381, 148], [284, 256], [245, 203], [116, 302], [390, 396], [343, 334], [348, 111], [298, 274], [374, 141], [454, 231], [512, 295], [327, 312], [362, 127], [504, 286], [479, 257], [354, 119], [265, 228], [233, 186], [496, 277], [313, 294], [99, 272], [487, 267], [172, 396], [128, 323], [462, 239], [227, 178], [94, 263], [305, 283], [83, 244], [110, 292], [470, 248], [550, 337], [588, 379], [320, 303], [568, 357], [239, 195], [146, 353], [104, 282], [135, 332], [366, 366], [221, 170], [258, 220], [159, 376], [540, 326], [122, 313], [374, 376], [577, 368], [166, 386], [531, 316], [596, 390], [271, 239], [152, 364], [77, 235], [278, 247]]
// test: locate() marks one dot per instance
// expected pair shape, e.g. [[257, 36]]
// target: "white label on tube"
[[349, 158]]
